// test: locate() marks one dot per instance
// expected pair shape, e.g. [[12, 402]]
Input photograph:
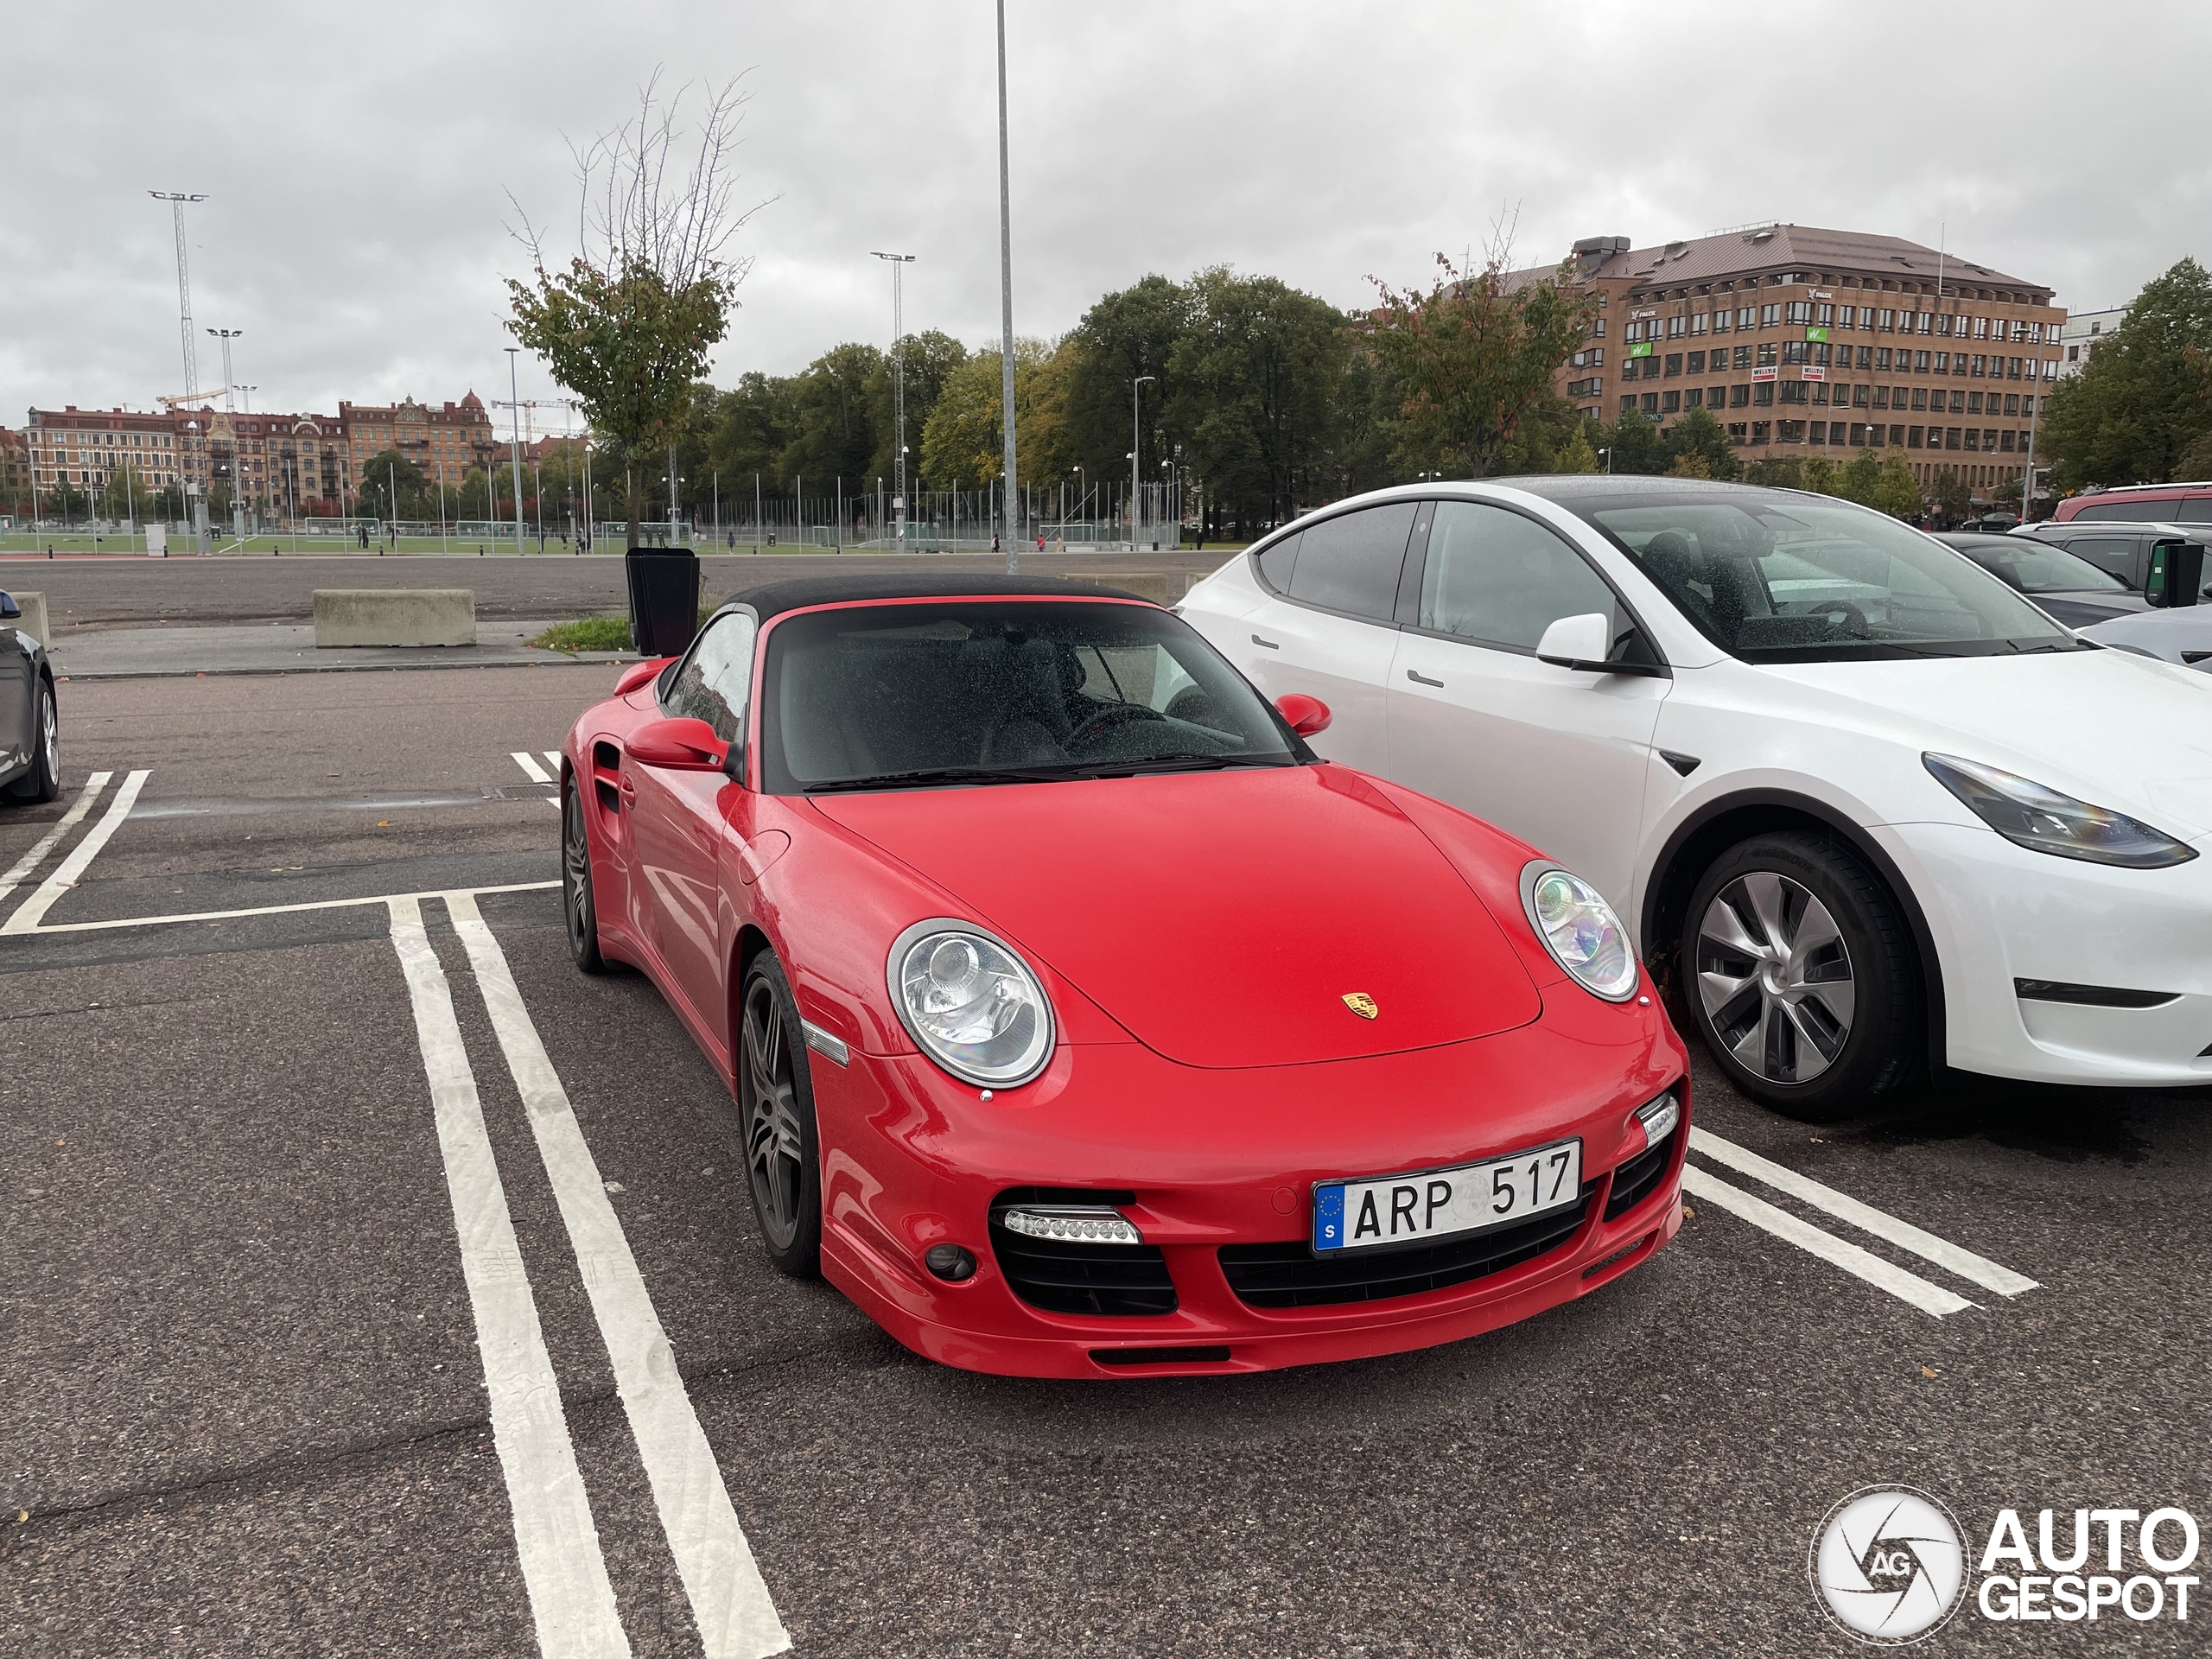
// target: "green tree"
[[1859, 478], [627, 324], [1477, 352], [834, 409], [929, 358], [1698, 435], [1820, 475], [383, 473], [961, 448], [1255, 379], [1777, 472], [1896, 491], [1126, 334], [1578, 456], [2144, 397], [127, 495], [1951, 494], [1635, 444], [751, 428]]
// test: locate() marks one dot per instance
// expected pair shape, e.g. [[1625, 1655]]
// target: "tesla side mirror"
[[1578, 642], [1308, 717], [9, 609], [680, 745], [2177, 573], [638, 673]]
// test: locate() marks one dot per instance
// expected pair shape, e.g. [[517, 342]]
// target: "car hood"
[[2082, 609], [1222, 918], [2110, 727]]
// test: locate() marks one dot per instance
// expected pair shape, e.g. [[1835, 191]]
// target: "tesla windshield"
[[1775, 576], [987, 691], [2033, 567]]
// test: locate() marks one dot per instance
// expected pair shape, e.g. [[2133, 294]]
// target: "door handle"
[[1270, 644], [1420, 678]]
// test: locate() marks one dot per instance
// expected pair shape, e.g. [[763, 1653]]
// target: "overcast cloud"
[[356, 161]]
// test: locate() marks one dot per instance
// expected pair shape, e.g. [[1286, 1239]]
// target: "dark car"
[[30, 760], [2122, 549], [2071, 589]]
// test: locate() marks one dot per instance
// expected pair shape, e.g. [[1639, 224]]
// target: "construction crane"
[[176, 200]]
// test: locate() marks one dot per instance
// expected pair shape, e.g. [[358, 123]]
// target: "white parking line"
[[1864, 1264], [571, 1599], [736, 1618], [553, 759], [1976, 1269], [22, 866], [269, 910], [523, 759], [64, 877]]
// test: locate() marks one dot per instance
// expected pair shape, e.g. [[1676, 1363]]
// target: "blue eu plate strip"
[[1329, 1219]]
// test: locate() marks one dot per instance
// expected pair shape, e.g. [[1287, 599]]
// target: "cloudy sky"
[[358, 162]]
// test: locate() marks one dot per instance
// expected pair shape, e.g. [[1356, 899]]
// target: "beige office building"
[[1810, 342]]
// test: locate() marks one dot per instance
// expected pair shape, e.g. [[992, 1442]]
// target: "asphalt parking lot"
[[312, 1179]]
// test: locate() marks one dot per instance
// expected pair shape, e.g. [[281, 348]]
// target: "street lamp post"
[[514, 428], [1005, 308], [899, 262], [1136, 448]]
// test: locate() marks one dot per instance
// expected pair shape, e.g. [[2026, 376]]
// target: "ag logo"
[[1888, 1566]]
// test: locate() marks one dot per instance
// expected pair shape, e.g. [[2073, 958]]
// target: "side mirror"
[[1578, 642], [9, 609], [1308, 717], [2177, 573], [638, 673], [680, 745]]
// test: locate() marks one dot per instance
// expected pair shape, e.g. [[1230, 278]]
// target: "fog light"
[[1660, 1118], [949, 1261], [1084, 1224]]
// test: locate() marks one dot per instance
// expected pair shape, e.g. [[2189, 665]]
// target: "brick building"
[[1812, 342], [445, 442], [15, 473]]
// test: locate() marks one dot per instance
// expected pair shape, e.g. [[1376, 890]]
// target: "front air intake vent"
[[1064, 1275], [1290, 1275]]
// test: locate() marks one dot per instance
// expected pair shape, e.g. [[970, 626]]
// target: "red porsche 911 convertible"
[[1080, 1022]]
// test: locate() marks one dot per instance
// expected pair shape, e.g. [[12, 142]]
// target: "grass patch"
[[591, 633]]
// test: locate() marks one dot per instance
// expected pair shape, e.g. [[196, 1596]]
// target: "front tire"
[[579, 906], [42, 782], [775, 1100], [1802, 980]]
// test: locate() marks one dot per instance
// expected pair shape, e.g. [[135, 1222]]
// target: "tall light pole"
[[514, 427], [899, 262], [176, 200], [1005, 308], [1136, 448], [227, 335]]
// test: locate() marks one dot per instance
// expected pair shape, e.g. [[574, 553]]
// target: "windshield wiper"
[[929, 775], [1184, 763]]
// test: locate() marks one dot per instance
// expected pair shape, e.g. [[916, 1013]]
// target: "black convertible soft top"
[[773, 598]]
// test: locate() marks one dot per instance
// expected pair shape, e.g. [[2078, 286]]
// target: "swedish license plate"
[[1430, 1204]]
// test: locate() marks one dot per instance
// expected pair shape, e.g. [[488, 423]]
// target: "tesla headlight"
[[971, 1004], [2041, 819], [1580, 931]]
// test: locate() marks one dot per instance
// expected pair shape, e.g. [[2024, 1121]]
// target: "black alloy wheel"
[[775, 1098], [579, 908], [1804, 986], [43, 781]]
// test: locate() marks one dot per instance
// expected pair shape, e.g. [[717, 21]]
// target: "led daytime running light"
[[1075, 1225]]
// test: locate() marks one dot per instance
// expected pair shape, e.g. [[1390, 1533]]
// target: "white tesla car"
[[1862, 805]]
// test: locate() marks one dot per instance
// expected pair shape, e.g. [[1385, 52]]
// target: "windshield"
[[1775, 576], [981, 691], [2032, 568]]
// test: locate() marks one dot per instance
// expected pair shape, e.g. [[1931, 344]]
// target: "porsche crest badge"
[[1361, 1004]]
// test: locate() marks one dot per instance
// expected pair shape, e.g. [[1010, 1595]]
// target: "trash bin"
[[664, 598]]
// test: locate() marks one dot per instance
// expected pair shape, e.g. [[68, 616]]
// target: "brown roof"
[[1733, 254]]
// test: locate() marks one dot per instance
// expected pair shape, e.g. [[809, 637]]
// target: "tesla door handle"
[[1270, 644], [1420, 678]]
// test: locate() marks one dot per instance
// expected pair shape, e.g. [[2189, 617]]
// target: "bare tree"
[[627, 324]]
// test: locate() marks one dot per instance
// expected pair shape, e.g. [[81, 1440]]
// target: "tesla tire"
[[43, 781], [775, 1101], [579, 906], [1802, 981]]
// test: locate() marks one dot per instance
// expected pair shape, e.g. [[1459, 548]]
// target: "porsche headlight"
[[1580, 931], [2029, 815], [971, 1003]]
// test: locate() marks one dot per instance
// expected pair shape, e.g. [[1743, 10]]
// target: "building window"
[[1797, 391], [1651, 403], [1821, 394], [1823, 354], [1819, 433], [2006, 443], [1951, 435], [1798, 312], [1670, 403], [1676, 326], [1721, 322], [1919, 362], [1958, 402], [1858, 435], [1912, 437], [1866, 357], [1920, 396], [1739, 395], [2012, 402], [1700, 320], [1825, 315], [1896, 436], [1674, 363], [1924, 321], [1762, 393], [1760, 430], [1697, 362], [1859, 396], [1789, 431], [1943, 362], [1794, 351], [1980, 365], [1746, 316], [1770, 316], [2012, 368], [1767, 353], [1694, 399], [1974, 402], [1738, 432], [1742, 357]]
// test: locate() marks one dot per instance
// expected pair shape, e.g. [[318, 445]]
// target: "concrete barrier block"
[[33, 620], [394, 616]]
